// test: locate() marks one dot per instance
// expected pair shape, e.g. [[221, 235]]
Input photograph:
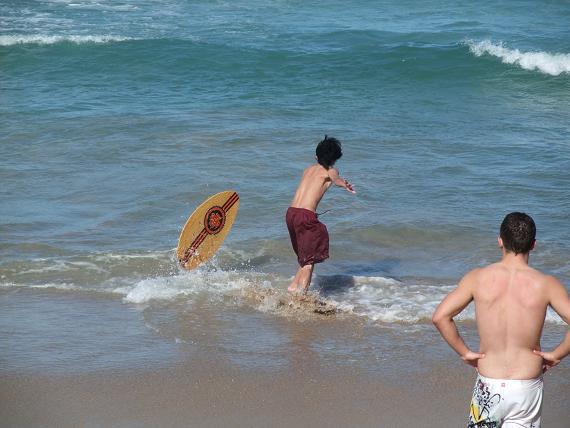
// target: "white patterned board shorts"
[[506, 403]]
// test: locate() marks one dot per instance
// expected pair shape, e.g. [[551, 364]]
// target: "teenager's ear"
[[533, 245], [500, 242]]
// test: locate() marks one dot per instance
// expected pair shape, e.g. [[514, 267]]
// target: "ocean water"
[[118, 118]]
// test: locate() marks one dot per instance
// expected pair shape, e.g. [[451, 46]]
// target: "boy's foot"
[[292, 288]]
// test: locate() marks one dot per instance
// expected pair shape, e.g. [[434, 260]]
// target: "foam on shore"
[[143, 279]]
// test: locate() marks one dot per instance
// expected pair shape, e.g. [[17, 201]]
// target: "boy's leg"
[[306, 273], [295, 283]]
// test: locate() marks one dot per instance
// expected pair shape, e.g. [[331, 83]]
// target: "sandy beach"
[[214, 394]]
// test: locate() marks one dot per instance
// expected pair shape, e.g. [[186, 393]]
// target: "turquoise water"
[[118, 118]]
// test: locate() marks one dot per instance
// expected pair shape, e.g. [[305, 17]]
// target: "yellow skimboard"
[[206, 229]]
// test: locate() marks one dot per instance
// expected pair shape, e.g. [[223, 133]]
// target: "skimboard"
[[206, 229]]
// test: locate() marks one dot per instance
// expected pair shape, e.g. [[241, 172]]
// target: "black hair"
[[329, 150], [518, 233]]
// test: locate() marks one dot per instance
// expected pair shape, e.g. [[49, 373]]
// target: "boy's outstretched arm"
[[339, 181], [451, 306]]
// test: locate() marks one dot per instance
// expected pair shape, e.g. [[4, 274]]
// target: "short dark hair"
[[329, 150], [518, 233]]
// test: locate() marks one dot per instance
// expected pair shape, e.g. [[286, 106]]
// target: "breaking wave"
[[12, 40], [547, 63], [376, 298]]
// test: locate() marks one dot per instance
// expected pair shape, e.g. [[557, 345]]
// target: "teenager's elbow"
[[340, 182], [438, 319], [435, 319]]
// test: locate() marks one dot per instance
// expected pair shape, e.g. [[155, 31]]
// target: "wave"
[[547, 63], [391, 301], [102, 6], [51, 40], [374, 298]]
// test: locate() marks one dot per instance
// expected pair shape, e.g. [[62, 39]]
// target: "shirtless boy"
[[511, 299], [309, 236]]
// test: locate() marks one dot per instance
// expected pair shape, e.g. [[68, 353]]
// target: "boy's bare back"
[[511, 300], [316, 180]]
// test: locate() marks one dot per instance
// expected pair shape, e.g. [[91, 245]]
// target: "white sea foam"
[[151, 289], [63, 286], [95, 4], [103, 6], [390, 301], [63, 266], [548, 63], [376, 298], [216, 284], [41, 39], [106, 257]]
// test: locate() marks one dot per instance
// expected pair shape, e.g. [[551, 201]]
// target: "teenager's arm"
[[451, 306], [560, 302], [339, 181]]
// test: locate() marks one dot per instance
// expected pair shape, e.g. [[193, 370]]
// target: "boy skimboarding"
[[309, 237]]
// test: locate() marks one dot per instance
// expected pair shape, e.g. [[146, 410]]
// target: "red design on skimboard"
[[230, 202], [214, 220]]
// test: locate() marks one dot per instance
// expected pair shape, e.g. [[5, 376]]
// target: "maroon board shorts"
[[309, 236]]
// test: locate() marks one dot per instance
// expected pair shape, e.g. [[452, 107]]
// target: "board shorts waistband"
[[305, 210], [513, 383]]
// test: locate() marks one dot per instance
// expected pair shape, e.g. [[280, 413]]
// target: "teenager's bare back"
[[510, 302], [316, 180]]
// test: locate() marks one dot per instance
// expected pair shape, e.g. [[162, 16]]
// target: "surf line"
[[230, 202]]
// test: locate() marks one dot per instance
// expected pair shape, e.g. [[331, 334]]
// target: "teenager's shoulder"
[[552, 282], [333, 173], [472, 276], [317, 170], [484, 273], [481, 274]]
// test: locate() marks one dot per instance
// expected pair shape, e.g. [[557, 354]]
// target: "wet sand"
[[203, 393], [91, 362]]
